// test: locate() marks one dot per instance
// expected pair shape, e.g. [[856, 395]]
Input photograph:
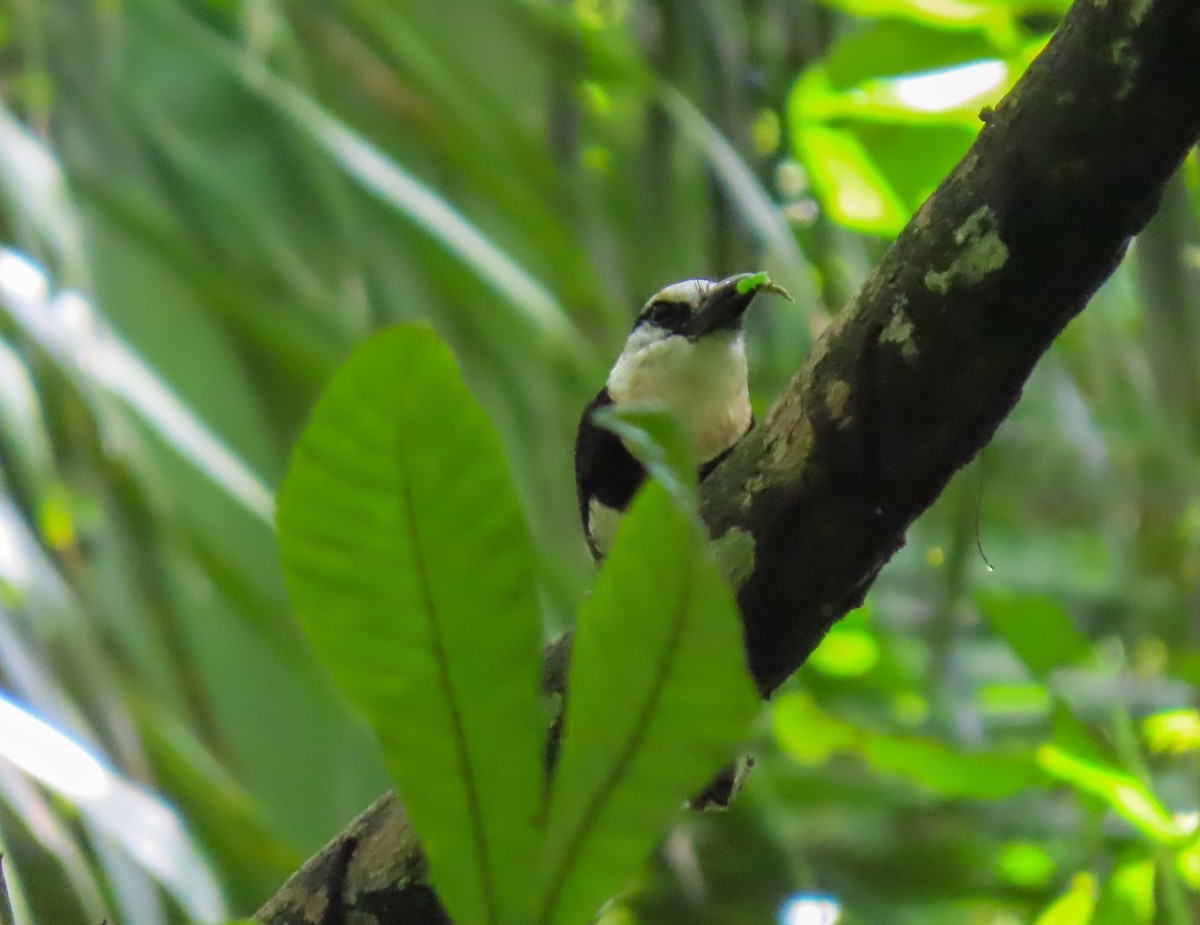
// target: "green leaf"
[[659, 698], [1075, 906], [849, 182], [982, 775], [409, 565], [1187, 863], [1173, 731], [1037, 628], [1025, 864], [807, 733], [1125, 794], [810, 735], [996, 20], [660, 441], [845, 652], [1128, 896]]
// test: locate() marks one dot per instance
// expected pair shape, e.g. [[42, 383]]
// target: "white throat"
[[702, 382]]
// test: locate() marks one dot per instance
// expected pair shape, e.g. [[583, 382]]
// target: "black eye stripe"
[[670, 316]]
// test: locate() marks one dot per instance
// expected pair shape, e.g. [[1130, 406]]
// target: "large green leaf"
[[659, 698], [409, 564]]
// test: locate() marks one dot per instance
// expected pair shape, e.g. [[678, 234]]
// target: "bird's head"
[[695, 308], [687, 332]]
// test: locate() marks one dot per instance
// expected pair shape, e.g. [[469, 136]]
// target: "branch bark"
[[915, 375], [910, 381]]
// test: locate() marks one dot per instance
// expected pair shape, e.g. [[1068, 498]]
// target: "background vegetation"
[[205, 204]]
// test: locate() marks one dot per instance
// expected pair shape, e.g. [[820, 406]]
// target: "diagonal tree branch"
[[910, 381], [916, 374]]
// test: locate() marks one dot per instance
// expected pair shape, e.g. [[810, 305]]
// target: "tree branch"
[[915, 375], [910, 381]]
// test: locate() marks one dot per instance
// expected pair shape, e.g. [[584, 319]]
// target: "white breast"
[[704, 383]]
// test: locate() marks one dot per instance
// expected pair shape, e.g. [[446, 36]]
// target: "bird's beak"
[[725, 304]]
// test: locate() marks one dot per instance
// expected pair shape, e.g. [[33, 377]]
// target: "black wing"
[[604, 469]]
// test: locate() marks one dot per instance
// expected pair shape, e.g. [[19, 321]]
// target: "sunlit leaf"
[[1127, 897], [1029, 699], [995, 19], [659, 699], [1174, 731], [1025, 864], [1187, 863], [850, 184], [1123, 793], [410, 567], [845, 652], [806, 732], [1075, 906], [35, 188]]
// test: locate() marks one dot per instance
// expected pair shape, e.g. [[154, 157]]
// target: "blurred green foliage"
[[206, 204]]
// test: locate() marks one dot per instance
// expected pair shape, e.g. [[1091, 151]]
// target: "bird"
[[685, 351]]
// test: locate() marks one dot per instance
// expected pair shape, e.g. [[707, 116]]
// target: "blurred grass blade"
[[14, 895], [23, 432], [34, 185], [757, 208], [381, 175], [410, 566], [659, 699], [68, 328], [6, 908], [376, 172], [146, 828], [33, 808]]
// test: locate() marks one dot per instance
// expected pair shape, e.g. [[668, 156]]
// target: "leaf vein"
[[641, 727], [456, 721]]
